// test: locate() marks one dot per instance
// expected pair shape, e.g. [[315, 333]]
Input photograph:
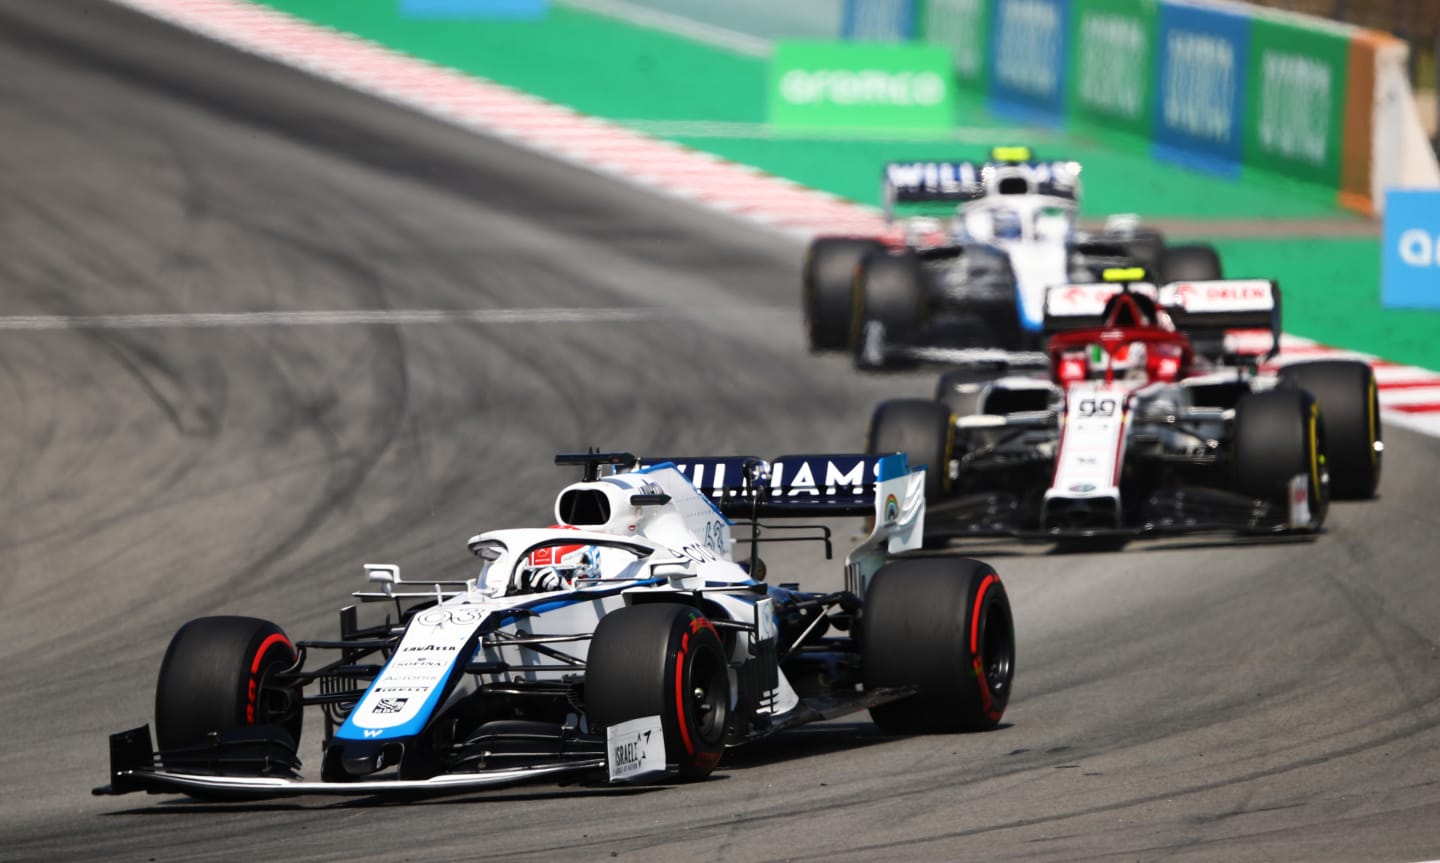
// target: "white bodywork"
[[1027, 211], [1034, 232], [647, 534], [1089, 427], [683, 545]]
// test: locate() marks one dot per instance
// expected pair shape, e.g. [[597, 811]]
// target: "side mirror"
[[386, 574]]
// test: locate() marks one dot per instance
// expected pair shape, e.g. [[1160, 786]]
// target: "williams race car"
[[1153, 419], [625, 641], [962, 288]]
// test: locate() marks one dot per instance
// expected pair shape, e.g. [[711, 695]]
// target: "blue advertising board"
[[1410, 261], [1202, 62], [510, 9], [879, 20], [1029, 40]]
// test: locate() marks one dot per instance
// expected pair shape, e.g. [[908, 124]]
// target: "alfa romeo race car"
[[626, 641], [958, 288], [1153, 419]]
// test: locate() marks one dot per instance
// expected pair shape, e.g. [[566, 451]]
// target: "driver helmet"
[[1128, 360], [553, 567], [1007, 224]]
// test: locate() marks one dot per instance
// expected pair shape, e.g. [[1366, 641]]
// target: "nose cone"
[[1037, 266]]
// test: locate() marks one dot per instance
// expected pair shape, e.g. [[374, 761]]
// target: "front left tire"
[[218, 675], [666, 660]]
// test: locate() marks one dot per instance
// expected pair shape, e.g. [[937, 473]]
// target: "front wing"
[[134, 767], [1176, 512]]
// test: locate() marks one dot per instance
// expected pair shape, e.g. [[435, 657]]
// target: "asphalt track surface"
[[1185, 701]]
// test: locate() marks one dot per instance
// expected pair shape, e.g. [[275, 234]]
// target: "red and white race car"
[[1153, 419]]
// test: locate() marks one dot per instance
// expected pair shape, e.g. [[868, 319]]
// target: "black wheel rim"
[[709, 695], [276, 703], [997, 651]]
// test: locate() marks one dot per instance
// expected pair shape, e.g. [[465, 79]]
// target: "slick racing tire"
[[827, 285], [1146, 248], [218, 675], [666, 660], [1350, 405], [924, 431], [1278, 435], [890, 290], [1194, 263], [942, 625]]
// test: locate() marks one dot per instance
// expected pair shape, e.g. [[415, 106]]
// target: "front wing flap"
[[134, 767], [1167, 513]]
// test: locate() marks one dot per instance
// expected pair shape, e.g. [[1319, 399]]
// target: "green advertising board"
[[1295, 100], [860, 85], [963, 27], [1112, 63]]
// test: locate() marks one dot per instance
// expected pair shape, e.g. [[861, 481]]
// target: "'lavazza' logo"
[[1295, 107], [862, 87], [1200, 85]]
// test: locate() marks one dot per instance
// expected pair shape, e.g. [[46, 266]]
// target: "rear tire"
[[663, 659], [827, 285], [1350, 405], [921, 429], [217, 675], [1147, 247], [1194, 263], [1278, 435], [942, 625]]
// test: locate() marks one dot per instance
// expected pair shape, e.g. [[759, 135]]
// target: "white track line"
[[365, 317], [608, 148]]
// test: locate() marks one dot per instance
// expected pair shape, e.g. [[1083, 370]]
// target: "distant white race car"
[[951, 289], [625, 640]]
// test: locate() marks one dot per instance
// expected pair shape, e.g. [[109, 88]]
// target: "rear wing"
[[1210, 313], [802, 486], [1082, 307], [958, 182], [821, 486], [883, 487]]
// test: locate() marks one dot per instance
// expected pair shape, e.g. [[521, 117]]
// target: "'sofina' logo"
[[892, 508]]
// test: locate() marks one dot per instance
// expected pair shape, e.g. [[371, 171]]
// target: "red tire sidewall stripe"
[[680, 718], [985, 583], [252, 695], [698, 759], [987, 702]]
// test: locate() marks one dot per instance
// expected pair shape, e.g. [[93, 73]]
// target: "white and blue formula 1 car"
[[625, 641], [971, 285]]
